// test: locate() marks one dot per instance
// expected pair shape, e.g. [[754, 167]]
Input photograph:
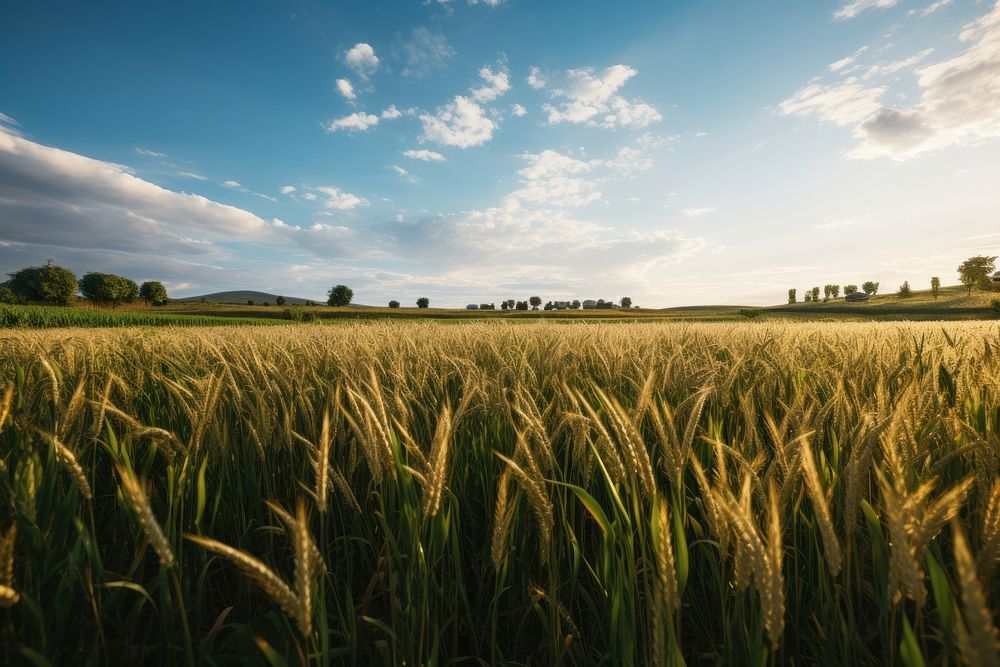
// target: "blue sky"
[[682, 152]]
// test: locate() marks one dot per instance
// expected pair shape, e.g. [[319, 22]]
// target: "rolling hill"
[[240, 297]]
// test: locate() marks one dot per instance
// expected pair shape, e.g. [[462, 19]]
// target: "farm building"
[[589, 304], [473, 306]]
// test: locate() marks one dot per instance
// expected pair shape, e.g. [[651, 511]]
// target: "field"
[[574, 493]]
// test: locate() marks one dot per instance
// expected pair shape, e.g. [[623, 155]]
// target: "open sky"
[[676, 152]]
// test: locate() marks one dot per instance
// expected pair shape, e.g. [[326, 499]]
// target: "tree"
[[249, 302], [153, 291], [975, 271], [503, 305], [870, 288], [575, 305], [394, 304], [935, 286], [834, 291], [44, 284], [522, 305], [280, 301], [850, 289], [535, 302], [6, 295], [808, 297], [108, 289], [510, 304], [792, 295], [626, 302], [904, 289], [815, 294], [423, 302], [826, 293], [339, 296]]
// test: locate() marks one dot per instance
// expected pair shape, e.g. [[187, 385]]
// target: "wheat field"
[[492, 493]]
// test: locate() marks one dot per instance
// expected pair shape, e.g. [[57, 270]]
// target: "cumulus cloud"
[[959, 102], [362, 59], [425, 155], [518, 110], [554, 179], [391, 113], [425, 53], [232, 185], [853, 8], [346, 89], [339, 199], [535, 79], [461, 123], [58, 199], [592, 98], [358, 121], [287, 189], [497, 83]]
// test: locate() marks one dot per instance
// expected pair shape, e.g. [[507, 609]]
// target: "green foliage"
[[153, 292], [535, 302], [792, 295], [626, 302], [394, 304], [935, 286], [423, 302], [280, 301], [49, 284], [975, 272], [904, 289], [339, 296], [7, 295], [850, 289], [108, 289], [869, 287], [751, 313], [45, 317], [995, 306]]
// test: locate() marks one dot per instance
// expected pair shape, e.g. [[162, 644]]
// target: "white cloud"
[[849, 60], [4, 118], [497, 83], [58, 199], [340, 200], [959, 103], [191, 174], [148, 153], [697, 212], [554, 179], [287, 189], [425, 155], [404, 174], [358, 121], [460, 123], [940, 4], [362, 59], [592, 98], [518, 110], [232, 185], [345, 88], [535, 79], [837, 224], [391, 113], [852, 8], [425, 52], [842, 103], [309, 196], [896, 66]]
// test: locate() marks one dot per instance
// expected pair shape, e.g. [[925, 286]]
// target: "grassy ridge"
[[385, 493], [43, 317]]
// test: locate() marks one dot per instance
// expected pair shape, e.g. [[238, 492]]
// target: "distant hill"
[[242, 296]]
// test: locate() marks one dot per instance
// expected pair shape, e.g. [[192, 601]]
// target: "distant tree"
[[522, 305], [870, 288], [547, 306], [626, 302], [510, 304], [339, 296], [423, 302], [808, 297], [503, 305], [486, 306], [751, 313], [280, 301], [153, 292], [975, 271], [826, 293], [394, 304], [904, 289], [935, 286], [792, 298], [249, 302], [834, 291], [108, 289], [535, 302], [44, 284], [575, 305], [7, 295], [815, 294], [995, 306], [850, 289]]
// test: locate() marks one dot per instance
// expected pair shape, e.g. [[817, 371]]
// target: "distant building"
[[857, 296], [605, 305], [589, 304], [561, 305], [473, 306]]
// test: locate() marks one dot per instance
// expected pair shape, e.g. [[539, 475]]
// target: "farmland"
[[576, 493]]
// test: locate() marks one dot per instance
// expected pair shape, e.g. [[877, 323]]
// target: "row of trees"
[[869, 287], [56, 285]]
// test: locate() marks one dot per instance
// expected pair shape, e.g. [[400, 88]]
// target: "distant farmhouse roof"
[[473, 306]]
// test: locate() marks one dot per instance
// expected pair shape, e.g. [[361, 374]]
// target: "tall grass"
[[46, 317], [430, 494]]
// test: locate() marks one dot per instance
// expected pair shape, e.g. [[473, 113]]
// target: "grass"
[[43, 317], [421, 493]]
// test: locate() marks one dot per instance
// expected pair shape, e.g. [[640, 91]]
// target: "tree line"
[[977, 272], [56, 285]]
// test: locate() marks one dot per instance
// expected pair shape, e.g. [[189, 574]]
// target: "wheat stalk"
[[136, 494]]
